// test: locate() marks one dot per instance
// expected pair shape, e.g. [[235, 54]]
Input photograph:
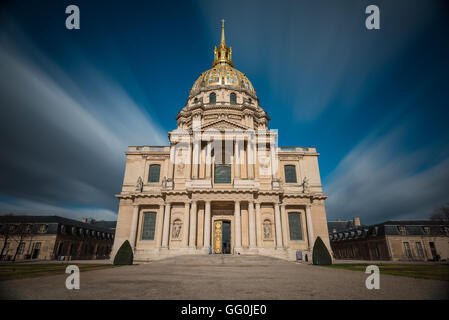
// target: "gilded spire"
[[222, 32], [222, 54]]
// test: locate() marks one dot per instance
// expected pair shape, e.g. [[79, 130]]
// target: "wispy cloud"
[[60, 142], [379, 180]]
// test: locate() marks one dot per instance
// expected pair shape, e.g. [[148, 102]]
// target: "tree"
[[441, 213], [13, 232], [124, 255], [320, 254]]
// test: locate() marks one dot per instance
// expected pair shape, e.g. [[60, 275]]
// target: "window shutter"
[[290, 174], [222, 174], [155, 171], [149, 225], [294, 224]]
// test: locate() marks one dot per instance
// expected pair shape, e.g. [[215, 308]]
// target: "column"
[[208, 160], [309, 226], [258, 226], [171, 161], [284, 221], [185, 235], [196, 157], [206, 239], [166, 230], [192, 239], [252, 225], [238, 226], [273, 158], [250, 164], [159, 225], [237, 159], [133, 229], [277, 218]]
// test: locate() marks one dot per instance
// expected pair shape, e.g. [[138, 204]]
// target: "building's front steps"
[[147, 255]]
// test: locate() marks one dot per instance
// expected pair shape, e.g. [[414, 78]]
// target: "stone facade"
[[414, 240], [222, 185], [52, 237]]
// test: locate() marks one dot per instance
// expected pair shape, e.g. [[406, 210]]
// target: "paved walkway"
[[223, 277]]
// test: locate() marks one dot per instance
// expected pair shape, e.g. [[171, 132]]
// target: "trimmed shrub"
[[124, 255], [320, 254]]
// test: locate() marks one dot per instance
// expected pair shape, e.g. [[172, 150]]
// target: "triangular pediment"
[[222, 124]]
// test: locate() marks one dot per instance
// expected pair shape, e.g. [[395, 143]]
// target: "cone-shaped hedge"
[[124, 254], [320, 254]]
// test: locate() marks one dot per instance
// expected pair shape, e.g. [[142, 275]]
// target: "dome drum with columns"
[[222, 186]]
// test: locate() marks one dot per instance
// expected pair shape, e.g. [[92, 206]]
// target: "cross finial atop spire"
[[222, 31]]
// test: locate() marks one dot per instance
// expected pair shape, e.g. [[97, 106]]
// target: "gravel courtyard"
[[223, 277]]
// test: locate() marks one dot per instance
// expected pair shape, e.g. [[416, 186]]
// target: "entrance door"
[[226, 238], [222, 237]]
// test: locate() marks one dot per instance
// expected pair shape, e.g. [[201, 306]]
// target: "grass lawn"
[[19, 271], [423, 271]]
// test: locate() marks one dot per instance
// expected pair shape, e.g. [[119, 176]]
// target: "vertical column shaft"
[[252, 225], [133, 229], [206, 239], [258, 226], [196, 157], [186, 226], [309, 226], [237, 158], [250, 164], [277, 217], [238, 226], [208, 159], [193, 213], [171, 162], [273, 158], [160, 225], [284, 221], [166, 230]]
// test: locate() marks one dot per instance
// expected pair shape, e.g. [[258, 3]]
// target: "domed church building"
[[223, 185]]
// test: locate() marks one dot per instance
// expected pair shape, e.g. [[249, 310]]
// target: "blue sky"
[[374, 103]]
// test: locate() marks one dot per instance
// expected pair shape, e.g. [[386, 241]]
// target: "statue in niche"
[[176, 229], [267, 229], [305, 185], [139, 184]]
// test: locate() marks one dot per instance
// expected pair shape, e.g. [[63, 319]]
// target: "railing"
[[149, 148], [295, 149]]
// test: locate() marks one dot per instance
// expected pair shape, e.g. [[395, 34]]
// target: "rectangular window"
[[155, 171], [21, 248], [419, 249], [294, 224], [149, 225], [408, 252], [290, 174], [222, 174]]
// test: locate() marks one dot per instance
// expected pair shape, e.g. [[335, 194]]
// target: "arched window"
[[250, 101], [148, 225], [294, 224], [222, 174], [213, 98], [290, 174], [233, 98], [195, 100], [267, 230], [155, 171]]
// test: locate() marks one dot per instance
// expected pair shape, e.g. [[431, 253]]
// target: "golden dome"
[[222, 71]]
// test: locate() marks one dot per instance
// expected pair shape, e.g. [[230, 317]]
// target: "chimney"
[[338, 220], [357, 222]]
